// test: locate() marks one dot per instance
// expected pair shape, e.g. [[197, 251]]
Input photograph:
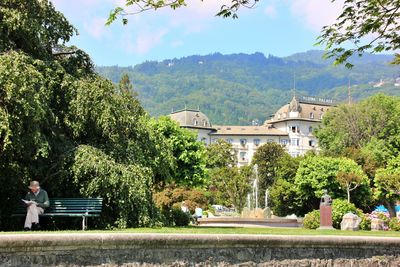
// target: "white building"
[[291, 126]]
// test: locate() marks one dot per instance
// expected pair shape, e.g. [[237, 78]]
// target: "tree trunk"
[[348, 194], [391, 207]]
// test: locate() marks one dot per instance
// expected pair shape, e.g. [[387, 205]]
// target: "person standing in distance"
[[36, 202]]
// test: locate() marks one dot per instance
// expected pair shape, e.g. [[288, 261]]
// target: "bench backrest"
[[70, 206]]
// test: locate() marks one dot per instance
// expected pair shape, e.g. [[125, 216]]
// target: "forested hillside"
[[238, 88]]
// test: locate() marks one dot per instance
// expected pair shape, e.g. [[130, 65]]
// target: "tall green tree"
[[125, 86], [318, 173], [34, 27], [387, 183], [62, 124], [188, 154], [371, 121], [267, 158], [232, 184], [221, 154]]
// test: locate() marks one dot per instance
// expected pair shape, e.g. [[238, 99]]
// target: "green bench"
[[69, 207]]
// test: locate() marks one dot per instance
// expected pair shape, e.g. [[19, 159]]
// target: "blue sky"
[[277, 27]]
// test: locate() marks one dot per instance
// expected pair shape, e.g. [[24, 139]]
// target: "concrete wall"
[[196, 250]]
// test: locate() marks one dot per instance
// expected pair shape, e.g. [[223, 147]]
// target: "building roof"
[[305, 108], [192, 118], [263, 130]]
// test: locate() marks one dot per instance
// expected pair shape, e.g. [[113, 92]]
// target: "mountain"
[[238, 88]]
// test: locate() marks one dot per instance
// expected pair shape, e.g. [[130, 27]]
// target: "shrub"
[[394, 224], [312, 220], [339, 208], [365, 223], [179, 217]]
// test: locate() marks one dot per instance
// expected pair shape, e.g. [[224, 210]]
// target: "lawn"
[[230, 230]]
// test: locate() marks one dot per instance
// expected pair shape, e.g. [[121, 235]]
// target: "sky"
[[276, 27]]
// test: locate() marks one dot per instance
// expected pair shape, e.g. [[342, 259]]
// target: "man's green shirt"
[[41, 198]]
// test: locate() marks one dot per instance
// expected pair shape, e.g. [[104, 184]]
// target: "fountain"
[[252, 215]]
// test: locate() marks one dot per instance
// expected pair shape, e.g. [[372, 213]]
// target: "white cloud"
[[270, 11], [177, 43], [316, 13], [96, 27], [144, 42]]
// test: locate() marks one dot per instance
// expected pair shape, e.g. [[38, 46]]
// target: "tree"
[[285, 198], [188, 154], [62, 124], [233, 184], [125, 86], [359, 20], [34, 27], [220, 154], [350, 181], [370, 125], [267, 157], [318, 173], [387, 183], [138, 6]]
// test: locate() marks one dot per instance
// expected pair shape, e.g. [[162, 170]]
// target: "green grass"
[[231, 230]]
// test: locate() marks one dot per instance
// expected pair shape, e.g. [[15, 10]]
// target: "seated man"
[[36, 201]]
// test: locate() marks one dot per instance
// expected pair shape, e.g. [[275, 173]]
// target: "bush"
[[365, 223], [179, 217], [394, 224], [339, 208], [312, 220]]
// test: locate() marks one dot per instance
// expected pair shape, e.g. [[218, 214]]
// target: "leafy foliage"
[[124, 188], [372, 120], [387, 183], [220, 154], [267, 157], [188, 154], [32, 26], [358, 20], [339, 208], [171, 199], [318, 173], [75, 132], [227, 10], [231, 185], [394, 224], [312, 220], [284, 198]]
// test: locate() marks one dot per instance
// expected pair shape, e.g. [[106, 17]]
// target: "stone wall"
[[124, 249]]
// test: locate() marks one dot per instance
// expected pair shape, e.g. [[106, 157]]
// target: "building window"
[[311, 143], [310, 129], [279, 115], [284, 142], [204, 140], [242, 156], [243, 142], [195, 122], [295, 142], [229, 140], [320, 116], [270, 140], [311, 115], [294, 129], [205, 123], [257, 142]]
